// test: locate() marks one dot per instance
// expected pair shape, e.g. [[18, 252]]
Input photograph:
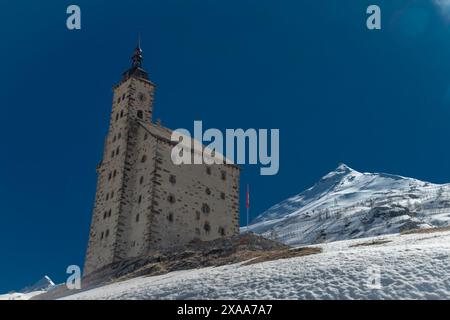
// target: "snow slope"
[[415, 266], [347, 204]]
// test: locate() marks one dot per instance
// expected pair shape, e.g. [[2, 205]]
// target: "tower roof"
[[137, 56], [136, 69]]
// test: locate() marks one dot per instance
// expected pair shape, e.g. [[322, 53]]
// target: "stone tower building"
[[143, 201]]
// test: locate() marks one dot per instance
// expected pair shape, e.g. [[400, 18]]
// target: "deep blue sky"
[[376, 100]]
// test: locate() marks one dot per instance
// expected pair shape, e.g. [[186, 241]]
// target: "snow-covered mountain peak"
[[342, 169], [340, 175], [347, 204]]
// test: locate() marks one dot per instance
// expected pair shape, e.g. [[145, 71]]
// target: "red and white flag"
[[247, 202]]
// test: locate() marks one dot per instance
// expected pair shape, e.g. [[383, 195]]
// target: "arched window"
[[208, 191], [137, 217], [224, 175], [222, 231], [144, 158], [140, 114], [222, 195], [107, 233], [171, 198], [205, 208], [141, 181], [170, 217], [140, 199], [208, 170], [207, 227], [121, 113]]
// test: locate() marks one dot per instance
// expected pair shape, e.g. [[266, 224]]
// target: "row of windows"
[[223, 174], [107, 214], [140, 115], [171, 197], [118, 137], [206, 226], [172, 178], [121, 98], [108, 196], [112, 175], [104, 234], [115, 152], [208, 192], [120, 116], [205, 207]]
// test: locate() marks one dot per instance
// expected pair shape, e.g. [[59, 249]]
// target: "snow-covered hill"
[[409, 266], [347, 204], [414, 266]]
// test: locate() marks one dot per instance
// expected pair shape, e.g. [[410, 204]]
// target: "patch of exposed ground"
[[370, 243], [283, 254], [426, 230]]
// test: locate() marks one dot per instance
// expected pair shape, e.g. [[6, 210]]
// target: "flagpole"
[[247, 217], [248, 205]]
